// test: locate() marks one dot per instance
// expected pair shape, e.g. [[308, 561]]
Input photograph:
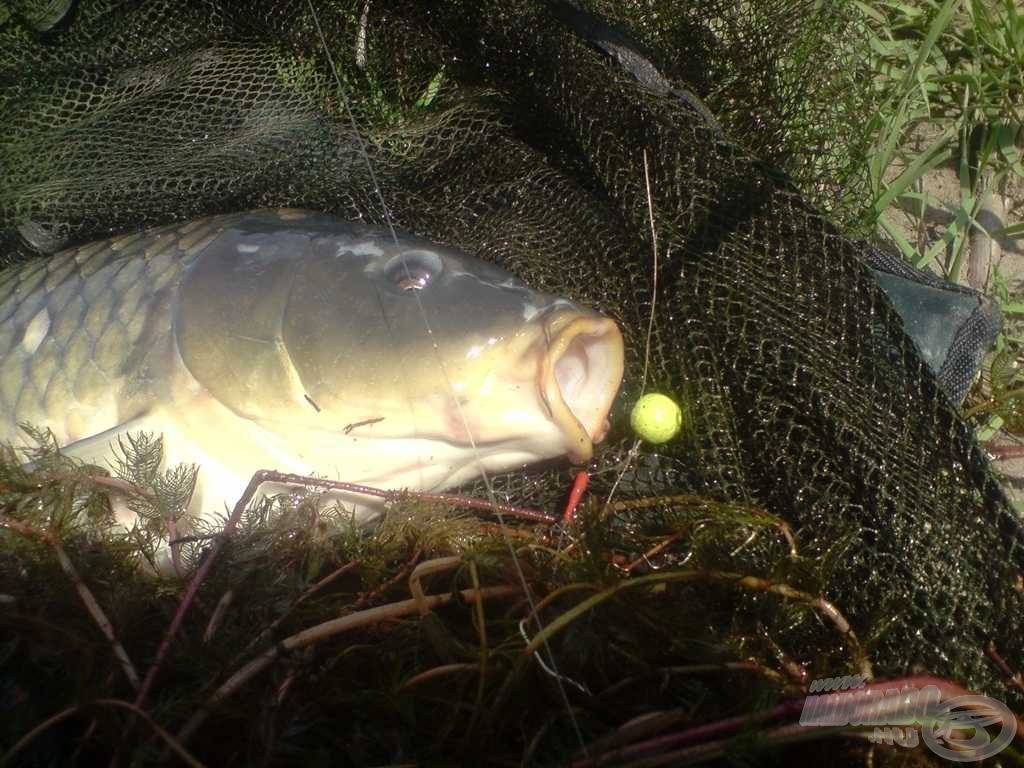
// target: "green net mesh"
[[500, 129]]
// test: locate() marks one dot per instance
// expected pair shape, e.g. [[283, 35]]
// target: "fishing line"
[[491, 496], [654, 275], [635, 449]]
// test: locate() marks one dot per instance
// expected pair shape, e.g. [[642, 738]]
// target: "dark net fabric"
[[502, 129]]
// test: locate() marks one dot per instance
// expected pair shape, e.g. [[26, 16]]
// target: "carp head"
[[394, 362]]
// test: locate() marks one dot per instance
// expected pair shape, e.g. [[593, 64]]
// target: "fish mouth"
[[580, 374]]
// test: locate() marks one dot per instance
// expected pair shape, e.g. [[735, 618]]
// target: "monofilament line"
[[654, 275], [650, 323], [364, 151]]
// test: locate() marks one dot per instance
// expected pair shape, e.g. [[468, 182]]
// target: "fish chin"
[[436, 465]]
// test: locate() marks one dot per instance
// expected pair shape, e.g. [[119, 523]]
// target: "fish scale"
[[95, 301]]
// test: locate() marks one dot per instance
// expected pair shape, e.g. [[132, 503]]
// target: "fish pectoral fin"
[[122, 442], [135, 435]]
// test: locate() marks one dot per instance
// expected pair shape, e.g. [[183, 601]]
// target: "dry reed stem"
[[197, 579], [797, 672], [121, 486], [104, 481], [327, 629], [1013, 678], [404, 571], [691, 499], [820, 604], [442, 671], [265, 634], [173, 744], [84, 593], [219, 612], [437, 565], [657, 549]]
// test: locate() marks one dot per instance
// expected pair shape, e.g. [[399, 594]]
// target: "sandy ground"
[[1007, 256]]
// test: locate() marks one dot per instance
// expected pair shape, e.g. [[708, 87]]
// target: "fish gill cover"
[[544, 137]]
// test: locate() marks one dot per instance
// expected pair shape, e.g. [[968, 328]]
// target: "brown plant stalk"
[[84, 593], [328, 629]]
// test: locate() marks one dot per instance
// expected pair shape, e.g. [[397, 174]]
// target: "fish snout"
[[580, 373]]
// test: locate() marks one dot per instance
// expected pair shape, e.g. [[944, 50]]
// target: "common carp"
[[291, 340]]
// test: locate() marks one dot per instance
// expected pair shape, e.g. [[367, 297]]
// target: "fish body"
[[291, 340]]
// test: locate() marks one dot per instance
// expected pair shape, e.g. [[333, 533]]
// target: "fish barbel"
[[291, 340]]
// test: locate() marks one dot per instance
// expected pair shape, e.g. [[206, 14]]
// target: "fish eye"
[[413, 270]]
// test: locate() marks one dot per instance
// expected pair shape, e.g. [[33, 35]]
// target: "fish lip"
[[579, 377]]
